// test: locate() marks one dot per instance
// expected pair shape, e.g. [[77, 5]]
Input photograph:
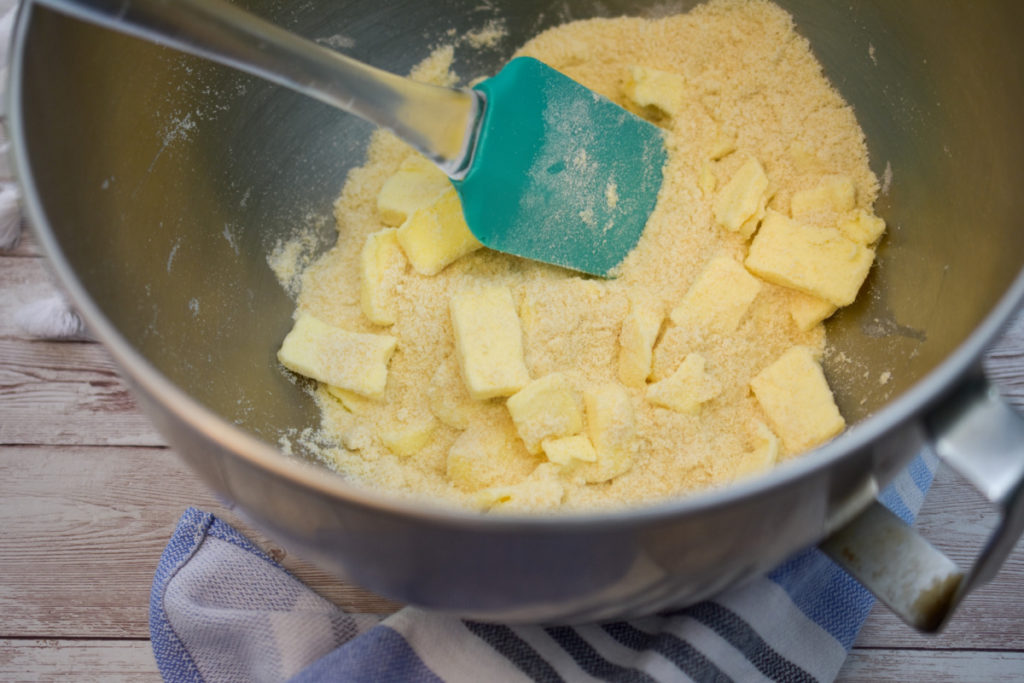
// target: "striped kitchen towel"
[[223, 610]]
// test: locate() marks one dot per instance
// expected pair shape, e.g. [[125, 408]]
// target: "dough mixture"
[[455, 374]]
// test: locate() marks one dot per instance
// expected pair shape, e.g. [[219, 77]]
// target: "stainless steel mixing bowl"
[[158, 184]]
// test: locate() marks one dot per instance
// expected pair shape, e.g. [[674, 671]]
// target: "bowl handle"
[[981, 437]]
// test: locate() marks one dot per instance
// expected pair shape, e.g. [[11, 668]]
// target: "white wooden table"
[[89, 495]]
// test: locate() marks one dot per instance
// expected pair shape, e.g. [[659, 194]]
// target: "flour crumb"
[[488, 36]]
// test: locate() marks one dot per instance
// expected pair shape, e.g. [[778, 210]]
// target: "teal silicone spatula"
[[560, 174], [545, 168]]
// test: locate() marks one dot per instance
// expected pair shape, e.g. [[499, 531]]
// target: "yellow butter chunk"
[[723, 144], [353, 402], [742, 198], [380, 262], [407, 439], [807, 311], [546, 408], [416, 184], [818, 261], [436, 235], [447, 397], [804, 159], [719, 298], [347, 360], [763, 454], [568, 450], [706, 181], [611, 426], [542, 490], [636, 340], [835, 194], [797, 400], [685, 389], [663, 90], [862, 227], [489, 342], [487, 455]]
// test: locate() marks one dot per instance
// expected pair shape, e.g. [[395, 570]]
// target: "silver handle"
[[981, 438], [437, 121]]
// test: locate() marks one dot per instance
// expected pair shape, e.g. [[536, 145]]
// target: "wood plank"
[[84, 528], [132, 660], [28, 245], [80, 660], [908, 666], [1004, 362], [957, 520], [84, 585], [57, 393]]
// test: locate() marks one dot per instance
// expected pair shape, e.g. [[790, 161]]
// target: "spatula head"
[[560, 174]]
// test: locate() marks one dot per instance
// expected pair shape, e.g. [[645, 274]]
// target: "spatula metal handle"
[[438, 121]]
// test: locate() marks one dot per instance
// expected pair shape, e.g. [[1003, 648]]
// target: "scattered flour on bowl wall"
[[672, 378]]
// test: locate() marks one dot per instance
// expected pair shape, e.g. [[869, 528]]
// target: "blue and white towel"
[[223, 610]]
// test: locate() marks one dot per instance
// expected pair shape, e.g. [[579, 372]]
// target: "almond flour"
[[752, 90]]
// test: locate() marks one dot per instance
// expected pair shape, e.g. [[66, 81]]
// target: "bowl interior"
[[167, 181]]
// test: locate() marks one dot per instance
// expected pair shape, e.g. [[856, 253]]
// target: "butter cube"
[[636, 340], [797, 400], [723, 144], [719, 298], [437, 235], [542, 490], [804, 159], [546, 408], [707, 180], [749, 226], [685, 389], [348, 360], [862, 227], [662, 90], [569, 450], [380, 262], [611, 426], [818, 261], [835, 194], [763, 454], [447, 396], [486, 455], [416, 184], [489, 342], [408, 439], [807, 311], [742, 198], [353, 402]]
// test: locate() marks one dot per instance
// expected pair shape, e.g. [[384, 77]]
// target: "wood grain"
[[63, 393], [1004, 362], [110, 661], [132, 660], [107, 514], [871, 666], [28, 245], [83, 530]]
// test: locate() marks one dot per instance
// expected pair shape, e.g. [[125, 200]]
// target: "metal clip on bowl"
[[981, 438]]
